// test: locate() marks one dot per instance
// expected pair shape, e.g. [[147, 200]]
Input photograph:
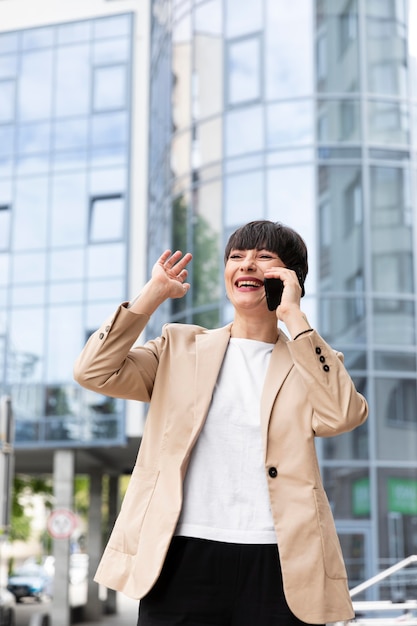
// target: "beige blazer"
[[307, 393]]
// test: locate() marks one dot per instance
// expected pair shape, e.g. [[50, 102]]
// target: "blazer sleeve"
[[337, 406], [109, 365]]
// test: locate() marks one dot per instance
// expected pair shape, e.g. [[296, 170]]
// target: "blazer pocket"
[[125, 535], [332, 552]]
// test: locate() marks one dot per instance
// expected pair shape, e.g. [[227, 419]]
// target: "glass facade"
[[318, 131], [64, 195]]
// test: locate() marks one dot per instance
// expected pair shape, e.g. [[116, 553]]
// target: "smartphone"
[[274, 288]]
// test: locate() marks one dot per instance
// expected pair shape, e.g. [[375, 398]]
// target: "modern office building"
[[130, 126]]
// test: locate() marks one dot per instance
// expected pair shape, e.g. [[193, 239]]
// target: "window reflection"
[[293, 75], [64, 326], [70, 134], [66, 264], [393, 321], [37, 38], [106, 260], [72, 89], [109, 128], [26, 354], [8, 66], [74, 32], [115, 26], [341, 227], [6, 140], [290, 123], [395, 361], [348, 491], [337, 48], [7, 96], [243, 70], [111, 51], [28, 267], [208, 144], [33, 164], [338, 121], [35, 86], [4, 270], [9, 42], [290, 199], [388, 122], [396, 414], [68, 211], [242, 17], [106, 218], [238, 142], [28, 295], [30, 223], [109, 87], [32, 138], [70, 291], [208, 18], [397, 514], [5, 219], [342, 320], [244, 198], [98, 290]]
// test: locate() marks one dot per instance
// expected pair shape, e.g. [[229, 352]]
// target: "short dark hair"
[[272, 236]]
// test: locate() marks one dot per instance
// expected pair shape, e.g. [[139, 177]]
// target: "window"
[[353, 206], [243, 70], [7, 97], [402, 403], [109, 88], [5, 217], [348, 26], [106, 218]]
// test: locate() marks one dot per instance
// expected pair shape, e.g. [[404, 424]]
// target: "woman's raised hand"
[[170, 274]]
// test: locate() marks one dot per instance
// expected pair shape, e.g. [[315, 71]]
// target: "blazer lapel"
[[210, 351], [278, 369]]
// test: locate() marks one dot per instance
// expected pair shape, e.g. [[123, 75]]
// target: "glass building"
[[306, 113], [64, 191], [303, 112]]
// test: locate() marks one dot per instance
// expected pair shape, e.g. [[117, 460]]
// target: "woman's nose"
[[248, 263]]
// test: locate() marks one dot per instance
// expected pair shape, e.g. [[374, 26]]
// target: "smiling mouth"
[[249, 284]]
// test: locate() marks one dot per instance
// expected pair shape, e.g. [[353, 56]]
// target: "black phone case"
[[274, 288]]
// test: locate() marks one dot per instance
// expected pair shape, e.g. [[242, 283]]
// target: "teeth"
[[247, 283]]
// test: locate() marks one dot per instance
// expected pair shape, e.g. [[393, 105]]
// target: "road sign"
[[61, 523]]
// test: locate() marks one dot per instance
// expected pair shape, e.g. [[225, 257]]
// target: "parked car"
[[31, 580], [7, 608]]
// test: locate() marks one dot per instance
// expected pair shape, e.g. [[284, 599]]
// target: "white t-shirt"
[[225, 489]]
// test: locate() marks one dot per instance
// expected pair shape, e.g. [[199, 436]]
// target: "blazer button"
[[101, 335], [326, 368], [318, 350], [273, 472], [322, 359]]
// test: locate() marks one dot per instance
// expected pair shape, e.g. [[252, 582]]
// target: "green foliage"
[[25, 486], [204, 276]]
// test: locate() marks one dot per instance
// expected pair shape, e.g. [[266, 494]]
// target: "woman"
[[225, 520]]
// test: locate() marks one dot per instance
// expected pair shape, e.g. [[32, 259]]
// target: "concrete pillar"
[[113, 499], [93, 610], [63, 487]]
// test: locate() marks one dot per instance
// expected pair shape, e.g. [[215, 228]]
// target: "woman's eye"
[[235, 256]]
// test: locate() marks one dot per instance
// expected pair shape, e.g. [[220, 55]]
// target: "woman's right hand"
[[167, 281], [169, 274]]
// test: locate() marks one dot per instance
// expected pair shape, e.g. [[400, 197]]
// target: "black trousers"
[[210, 583]]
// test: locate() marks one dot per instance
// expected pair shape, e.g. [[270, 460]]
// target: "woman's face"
[[244, 277]]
